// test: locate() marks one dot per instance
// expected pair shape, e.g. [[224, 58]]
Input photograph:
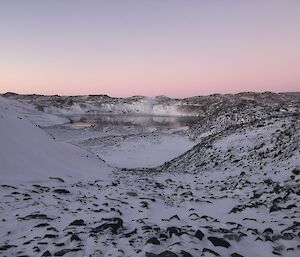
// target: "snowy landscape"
[[94, 175]]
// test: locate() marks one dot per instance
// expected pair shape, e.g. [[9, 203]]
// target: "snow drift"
[[27, 153]]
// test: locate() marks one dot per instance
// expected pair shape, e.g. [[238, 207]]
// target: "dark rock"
[[132, 193], [162, 254], [218, 241], [47, 253], [234, 237], [199, 234], [175, 217], [153, 240], [56, 178], [268, 230], [174, 230], [148, 254], [41, 225], [275, 207], [77, 223], [276, 253], [74, 237], [167, 254], [206, 250], [5, 247], [131, 233], [118, 223], [36, 216], [186, 254], [296, 171], [61, 191], [288, 236], [236, 255], [50, 236], [63, 252]]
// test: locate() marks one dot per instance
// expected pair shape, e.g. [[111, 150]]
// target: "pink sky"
[[149, 47]]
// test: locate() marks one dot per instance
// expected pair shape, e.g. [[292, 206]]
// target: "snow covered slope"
[[29, 154], [234, 194]]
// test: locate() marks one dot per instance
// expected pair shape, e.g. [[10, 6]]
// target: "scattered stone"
[[46, 254], [63, 252], [206, 250], [153, 240], [199, 234], [236, 255], [174, 230], [118, 223], [50, 236], [5, 247], [132, 193], [74, 237], [186, 254], [61, 191], [57, 178], [36, 216], [218, 241], [79, 222]]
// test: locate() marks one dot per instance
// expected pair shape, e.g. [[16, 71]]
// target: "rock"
[[148, 254], [206, 250], [50, 236], [268, 230], [288, 236], [236, 255], [79, 222], [199, 234], [57, 178], [36, 216], [296, 171], [167, 254], [218, 241], [114, 226], [186, 254], [5, 247], [131, 233], [47, 253], [61, 191], [42, 225], [64, 251], [132, 193], [162, 254], [74, 237], [274, 208], [175, 217], [234, 237], [153, 240], [174, 230]]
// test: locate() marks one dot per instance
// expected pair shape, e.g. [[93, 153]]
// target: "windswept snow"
[[30, 154], [233, 192]]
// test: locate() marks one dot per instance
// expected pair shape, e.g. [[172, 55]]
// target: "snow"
[[29, 153], [197, 190], [143, 152]]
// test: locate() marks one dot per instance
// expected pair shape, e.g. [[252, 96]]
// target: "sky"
[[149, 47]]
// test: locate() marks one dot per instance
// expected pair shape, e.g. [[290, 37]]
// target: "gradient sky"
[[135, 47]]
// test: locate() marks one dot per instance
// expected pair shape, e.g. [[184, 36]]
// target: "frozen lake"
[[128, 141], [150, 121]]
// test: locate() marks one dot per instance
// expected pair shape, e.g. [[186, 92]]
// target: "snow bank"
[[27, 153]]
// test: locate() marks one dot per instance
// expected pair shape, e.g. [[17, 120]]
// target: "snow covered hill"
[[30, 154], [235, 193]]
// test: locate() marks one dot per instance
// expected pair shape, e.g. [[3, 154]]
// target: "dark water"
[[81, 121]]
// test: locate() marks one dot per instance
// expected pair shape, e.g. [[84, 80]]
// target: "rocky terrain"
[[234, 192]]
